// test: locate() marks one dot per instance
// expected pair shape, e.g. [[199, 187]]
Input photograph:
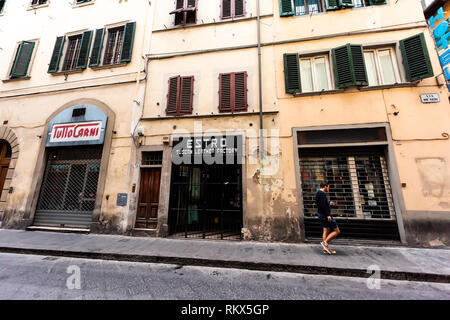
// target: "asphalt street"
[[44, 277]]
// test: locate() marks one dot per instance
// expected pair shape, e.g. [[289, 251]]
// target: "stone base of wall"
[[427, 228]]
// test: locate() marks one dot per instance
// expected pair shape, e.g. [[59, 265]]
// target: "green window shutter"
[[286, 8], [56, 55], [84, 50], [2, 5], [346, 3], [415, 58], [349, 66], [292, 73], [376, 2], [359, 66], [333, 5], [22, 60], [127, 44], [97, 48]]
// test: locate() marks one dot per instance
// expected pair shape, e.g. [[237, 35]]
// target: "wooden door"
[[5, 158], [147, 215]]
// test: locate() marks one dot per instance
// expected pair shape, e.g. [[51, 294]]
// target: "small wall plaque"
[[430, 98], [122, 199]]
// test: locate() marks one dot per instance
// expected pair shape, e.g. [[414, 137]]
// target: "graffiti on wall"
[[440, 28]]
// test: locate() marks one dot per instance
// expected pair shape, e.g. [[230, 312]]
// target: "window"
[[2, 5], [77, 52], [22, 60], [353, 66], [38, 2], [73, 50], [314, 74], [303, 7], [113, 46], [233, 92], [380, 66], [81, 1], [232, 8], [180, 95], [185, 12]]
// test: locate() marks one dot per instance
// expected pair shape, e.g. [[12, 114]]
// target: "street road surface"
[[42, 277]]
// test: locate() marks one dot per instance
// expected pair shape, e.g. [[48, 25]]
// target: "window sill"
[[317, 93], [16, 79], [109, 66], [38, 6], [80, 5], [390, 86], [66, 72]]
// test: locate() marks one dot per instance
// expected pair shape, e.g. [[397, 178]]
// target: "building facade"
[[70, 75], [172, 133]]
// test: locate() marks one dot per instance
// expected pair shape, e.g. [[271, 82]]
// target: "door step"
[[60, 229]]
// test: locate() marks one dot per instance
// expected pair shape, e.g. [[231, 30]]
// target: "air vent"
[[79, 112]]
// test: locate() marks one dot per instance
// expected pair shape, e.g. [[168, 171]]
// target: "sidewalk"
[[394, 262]]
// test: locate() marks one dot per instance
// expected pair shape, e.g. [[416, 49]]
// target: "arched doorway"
[[5, 159]]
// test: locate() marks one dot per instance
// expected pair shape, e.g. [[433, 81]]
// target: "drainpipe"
[[261, 136]]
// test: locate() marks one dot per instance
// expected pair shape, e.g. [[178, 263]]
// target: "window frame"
[[77, 4], [312, 57], [66, 48], [233, 10], [378, 71], [307, 13], [185, 10], [117, 49], [38, 4]]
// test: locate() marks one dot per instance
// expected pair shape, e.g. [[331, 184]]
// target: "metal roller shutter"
[[360, 187], [69, 187]]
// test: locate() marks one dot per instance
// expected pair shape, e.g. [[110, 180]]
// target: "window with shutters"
[[232, 9], [185, 12], [76, 48], [180, 95], [118, 45], [315, 74], [381, 66], [22, 60], [233, 92]]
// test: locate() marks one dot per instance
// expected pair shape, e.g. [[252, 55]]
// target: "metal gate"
[[360, 187], [69, 187], [206, 201]]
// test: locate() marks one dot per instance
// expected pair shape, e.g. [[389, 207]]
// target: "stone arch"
[[42, 155], [8, 135]]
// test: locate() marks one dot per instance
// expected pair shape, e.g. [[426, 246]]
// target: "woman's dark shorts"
[[327, 224]]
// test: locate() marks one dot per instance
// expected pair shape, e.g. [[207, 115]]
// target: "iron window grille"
[[113, 46], [152, 158], [72, 53]]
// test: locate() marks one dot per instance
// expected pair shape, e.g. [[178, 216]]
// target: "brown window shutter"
[[226, 9], [186, 95], [180, 4], [225, 92], [172, 95], [240, 91], [239, 8]]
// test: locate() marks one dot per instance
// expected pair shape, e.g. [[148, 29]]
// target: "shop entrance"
[[69, 187], [206, 199], [360, 187]]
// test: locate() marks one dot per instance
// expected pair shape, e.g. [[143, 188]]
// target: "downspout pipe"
[[261, 135]]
